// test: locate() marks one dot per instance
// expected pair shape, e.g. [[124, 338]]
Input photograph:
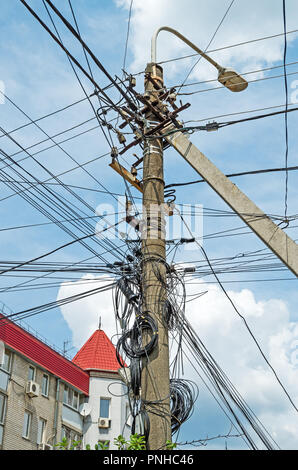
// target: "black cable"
[[74, 60], [223, 87], [70, 156], [244, 320], [243, 173], [53, 113], [54, 205], [90, 71], [286, 106], [242, 74], [215, 126], [210, 42], [80, 82], [57, 303], [183, 394], [87, 49], [55, 250], [127, 34]]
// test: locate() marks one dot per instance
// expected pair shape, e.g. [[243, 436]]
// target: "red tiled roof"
[[32, 348], [97, 353]]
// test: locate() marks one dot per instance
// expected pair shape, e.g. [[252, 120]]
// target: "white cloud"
[[83, 316], [224, 334], [198, 20]]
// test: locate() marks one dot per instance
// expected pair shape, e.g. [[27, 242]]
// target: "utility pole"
[[270, 233], [155, 383], [156, 127]]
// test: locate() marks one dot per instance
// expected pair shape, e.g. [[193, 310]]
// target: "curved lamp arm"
[[228, 77], [184, 39]]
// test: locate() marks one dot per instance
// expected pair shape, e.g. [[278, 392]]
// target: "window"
[[75, 400], [26, 425], [71, 397], [2, 407], [31, 373], [104, 409], [65, 433], [74, 440], [41, 431], [7, 360], [128, 416], [77, 441], [45, 385]]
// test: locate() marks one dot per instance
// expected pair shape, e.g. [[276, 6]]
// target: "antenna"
[[2, 352], [65, 349]]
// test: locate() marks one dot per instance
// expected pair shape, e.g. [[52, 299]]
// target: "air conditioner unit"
[[32, 389], [45, 447], [104, 423]]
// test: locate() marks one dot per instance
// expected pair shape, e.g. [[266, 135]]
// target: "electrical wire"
[[228, 47], [230, 175], [244, 321], [286, 106], [256, 80], [210, 42]]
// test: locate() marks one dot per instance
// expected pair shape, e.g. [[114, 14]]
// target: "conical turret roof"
[[97, 353]]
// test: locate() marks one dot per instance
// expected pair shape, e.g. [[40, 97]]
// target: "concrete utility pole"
[[270, 233], [158, 122], [155, 384]]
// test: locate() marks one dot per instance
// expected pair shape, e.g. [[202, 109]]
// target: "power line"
[[222, 87], [57, 303], [213, 126], [87, 49], [286, 106], [210, 42], [239, 112], [243, 173], [228, 47], [74, 60], [77, 77], [53, 113], [60, 174], [51, 174], [127, 34], [242, 74], [59, 204], [243, 319]]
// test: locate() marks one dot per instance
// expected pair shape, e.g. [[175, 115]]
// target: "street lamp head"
[[228, 77], [232, 80]]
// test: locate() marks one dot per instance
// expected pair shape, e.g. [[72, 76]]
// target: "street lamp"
[[227, 77]]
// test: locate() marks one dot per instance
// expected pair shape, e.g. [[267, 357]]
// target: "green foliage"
[[120, 442], [170, 445], [102, 445], [66, 445], [135, 442]]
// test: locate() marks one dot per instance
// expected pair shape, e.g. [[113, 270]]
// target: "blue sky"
[[38, 78]]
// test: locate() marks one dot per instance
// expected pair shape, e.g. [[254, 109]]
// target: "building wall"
[[18, 401], [61, 419], [45, 407], [105, 385]]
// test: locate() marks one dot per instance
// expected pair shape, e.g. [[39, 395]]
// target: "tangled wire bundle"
[[183, 394], [131, 341]]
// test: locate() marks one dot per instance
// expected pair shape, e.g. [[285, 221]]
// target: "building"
[[108, 404], [45, 397]]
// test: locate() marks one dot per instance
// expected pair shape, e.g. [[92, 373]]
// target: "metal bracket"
[[126, 175]]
